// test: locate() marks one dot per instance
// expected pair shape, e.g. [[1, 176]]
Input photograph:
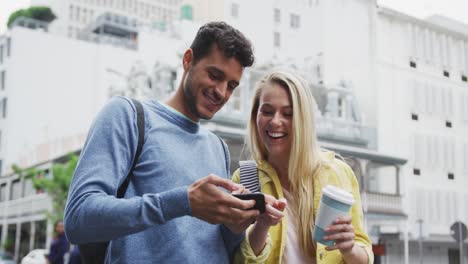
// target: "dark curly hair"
[[230, 41]]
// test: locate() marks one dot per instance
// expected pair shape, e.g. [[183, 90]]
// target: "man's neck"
[[177, 102]]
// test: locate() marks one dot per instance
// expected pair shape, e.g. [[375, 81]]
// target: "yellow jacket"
[[270, 184]]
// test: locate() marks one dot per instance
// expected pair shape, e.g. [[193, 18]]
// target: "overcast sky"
[[456, 9]]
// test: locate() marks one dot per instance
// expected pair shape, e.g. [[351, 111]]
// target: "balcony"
[[39, 203], [112, 29], [344, 131], [30, 23], [382, 203]]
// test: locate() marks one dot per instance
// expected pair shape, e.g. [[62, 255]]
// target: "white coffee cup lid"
[[338, 194]]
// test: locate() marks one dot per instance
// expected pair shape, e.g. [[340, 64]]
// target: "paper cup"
[[335, 203]]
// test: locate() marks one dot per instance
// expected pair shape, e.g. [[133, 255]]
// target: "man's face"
[[209, 83]]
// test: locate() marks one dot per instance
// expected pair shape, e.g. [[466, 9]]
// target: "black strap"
[[225, 155], [141, 135], [249, 175]]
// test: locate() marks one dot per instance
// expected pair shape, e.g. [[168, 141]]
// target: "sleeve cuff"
[[175, 203], [368, 251], [249, 255]]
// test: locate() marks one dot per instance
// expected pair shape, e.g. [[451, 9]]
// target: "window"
[[295, 21], [412, 64], [71, 13], [28, 187], [451, 176], [15, 191], [453, 256], [276, 15], [25, 229], [3, 189], [8, 47], [448, 124], [2, 80], [464, 79], [235, 10], [276, 39], [4, 107], [40, 235], [414, 117], [416, 171], [446, 74]]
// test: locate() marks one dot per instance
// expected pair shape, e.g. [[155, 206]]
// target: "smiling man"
[[173, 210]]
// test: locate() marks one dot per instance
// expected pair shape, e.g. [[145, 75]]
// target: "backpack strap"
[[141, 135], [249, 175]]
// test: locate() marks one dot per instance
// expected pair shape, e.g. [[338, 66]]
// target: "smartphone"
[[259, 200]]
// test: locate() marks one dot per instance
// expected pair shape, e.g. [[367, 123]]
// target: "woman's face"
[[274, 120]]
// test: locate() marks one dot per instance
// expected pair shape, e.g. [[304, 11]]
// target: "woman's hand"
[[342, 231], [273, 211], [273, 215]]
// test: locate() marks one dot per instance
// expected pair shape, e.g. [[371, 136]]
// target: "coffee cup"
[[334, 203]]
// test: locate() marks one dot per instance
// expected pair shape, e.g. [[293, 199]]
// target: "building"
[[74, 16], [391, 92], [422, 80]]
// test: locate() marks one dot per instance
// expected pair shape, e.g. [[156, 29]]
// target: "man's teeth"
[[276, 135], [211, 101]]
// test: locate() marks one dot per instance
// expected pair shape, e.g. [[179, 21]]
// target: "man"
[[173, 210]]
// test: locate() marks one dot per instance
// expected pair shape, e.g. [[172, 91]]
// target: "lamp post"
[[420, 241]]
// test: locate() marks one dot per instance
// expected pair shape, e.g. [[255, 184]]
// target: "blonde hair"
[[305, 156]]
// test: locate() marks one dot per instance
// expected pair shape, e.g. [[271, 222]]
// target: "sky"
[[455, 9]]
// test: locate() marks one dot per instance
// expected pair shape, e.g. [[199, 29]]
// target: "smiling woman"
[[291, 165]]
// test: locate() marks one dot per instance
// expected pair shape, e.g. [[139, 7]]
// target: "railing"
[[346, 131], [30, 23], [108, 39], [26, 205], [383, 203]]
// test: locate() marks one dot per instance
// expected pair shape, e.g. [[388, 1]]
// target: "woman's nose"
[[276, 120]]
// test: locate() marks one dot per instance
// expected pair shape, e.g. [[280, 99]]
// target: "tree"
[[56, 186], [42, 13]]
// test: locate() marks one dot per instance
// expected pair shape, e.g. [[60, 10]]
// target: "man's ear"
[[187, 59]]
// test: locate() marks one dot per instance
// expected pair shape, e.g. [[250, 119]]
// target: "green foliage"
[[42, 13], [56, 186], [9, 245]]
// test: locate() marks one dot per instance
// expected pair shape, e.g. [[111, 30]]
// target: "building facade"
[[391, 91]]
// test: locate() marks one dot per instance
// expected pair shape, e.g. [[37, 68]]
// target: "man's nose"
[[221, 91]]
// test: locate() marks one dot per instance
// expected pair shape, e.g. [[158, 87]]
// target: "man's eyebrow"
[[217, 71], [222, 74]]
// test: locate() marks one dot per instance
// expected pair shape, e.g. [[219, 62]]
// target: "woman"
[[283, 142], [59, 246]]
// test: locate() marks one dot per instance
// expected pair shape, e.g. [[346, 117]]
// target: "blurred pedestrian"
[[59, 246]]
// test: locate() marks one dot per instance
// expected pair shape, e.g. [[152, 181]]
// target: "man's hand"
[[215, 206]]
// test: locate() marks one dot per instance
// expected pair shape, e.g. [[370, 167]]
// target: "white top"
[[292, 251]]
